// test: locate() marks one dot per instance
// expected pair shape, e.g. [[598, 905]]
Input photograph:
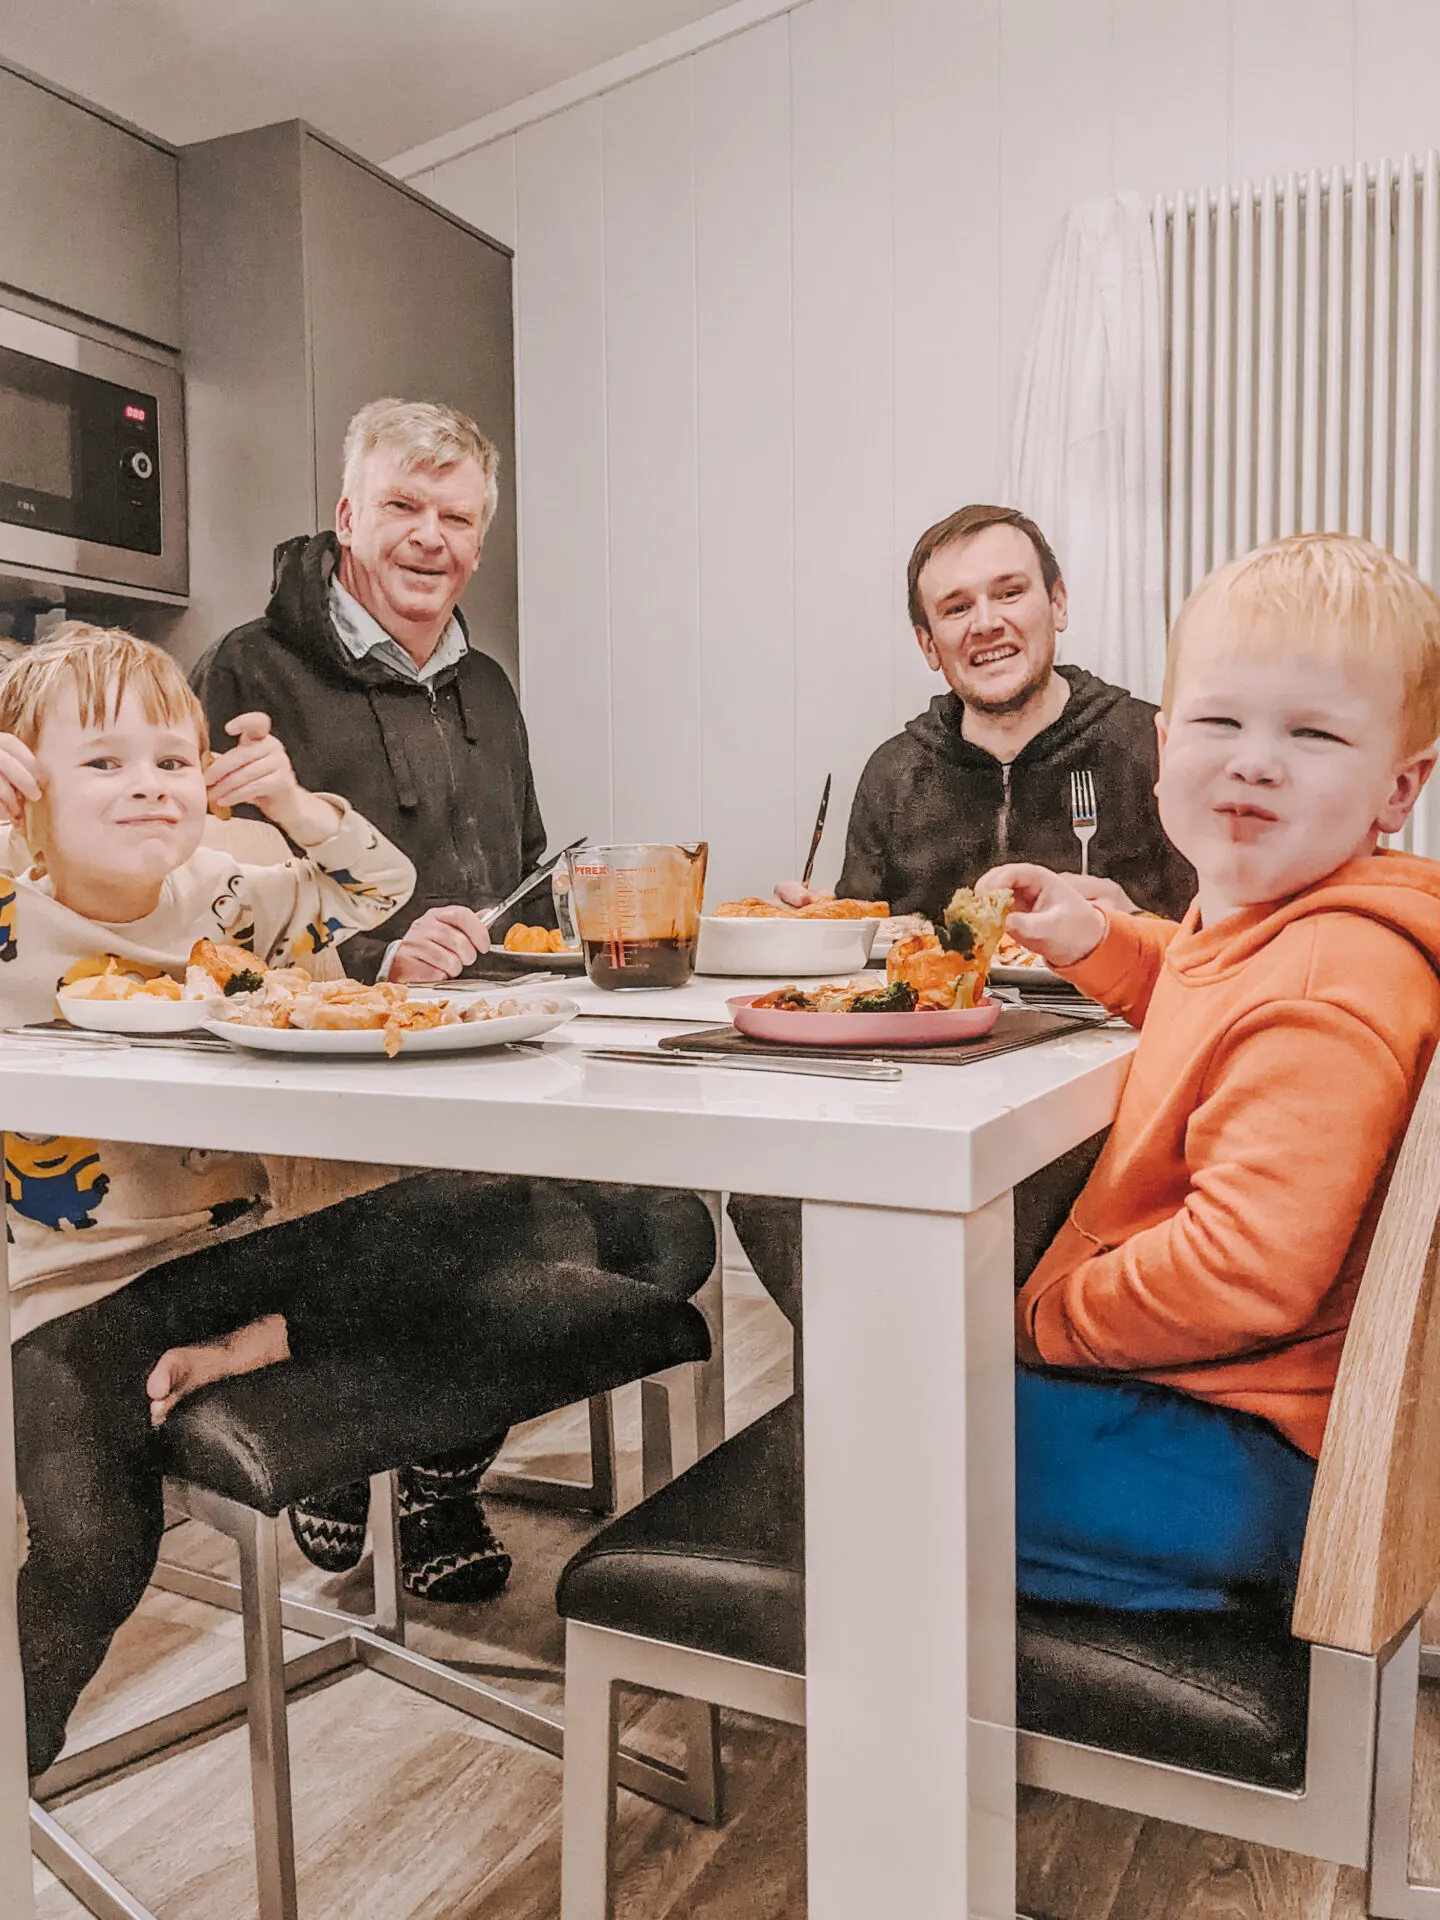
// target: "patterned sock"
[[329, 1528], [447, 1550]]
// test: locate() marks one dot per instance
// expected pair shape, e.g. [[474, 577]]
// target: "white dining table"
[[907, 1288]]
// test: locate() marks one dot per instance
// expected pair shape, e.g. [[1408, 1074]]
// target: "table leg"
[[909, 1529], [17, 1901]]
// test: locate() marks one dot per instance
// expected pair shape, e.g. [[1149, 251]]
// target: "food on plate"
[[222, 969], [754, 908], [520, 939], [288, 997], [853, 996], [950, 968], [115, 984], [1010, 953], [845, 910]]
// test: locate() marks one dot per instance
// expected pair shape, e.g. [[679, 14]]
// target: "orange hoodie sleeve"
[[1122, 971], [1302, 1106]]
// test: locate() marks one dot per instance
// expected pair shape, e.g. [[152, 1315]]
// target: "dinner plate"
[[143, 1013], [461, 1038], [1037, 977], [568, 960], [918, 1029]]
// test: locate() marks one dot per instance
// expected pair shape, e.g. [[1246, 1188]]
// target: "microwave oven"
[[92, 461]]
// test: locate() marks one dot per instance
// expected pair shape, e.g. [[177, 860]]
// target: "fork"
[[1083, 819]]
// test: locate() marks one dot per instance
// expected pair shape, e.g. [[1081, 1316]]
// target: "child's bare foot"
[[182, 1369]]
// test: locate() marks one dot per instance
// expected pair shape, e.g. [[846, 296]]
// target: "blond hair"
[[421, 433], [100, 664], [1331, 595]]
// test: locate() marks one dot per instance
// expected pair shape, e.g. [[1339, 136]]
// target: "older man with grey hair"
[[364, 658], [364, 655]]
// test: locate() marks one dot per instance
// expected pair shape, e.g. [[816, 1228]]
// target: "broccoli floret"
[[247, 982], [898, 997]]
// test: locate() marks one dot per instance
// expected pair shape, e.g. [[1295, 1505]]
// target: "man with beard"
[[982, 777]]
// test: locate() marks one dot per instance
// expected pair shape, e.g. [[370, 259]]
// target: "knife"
[[819, 829], [532, 880], [825, 1069]]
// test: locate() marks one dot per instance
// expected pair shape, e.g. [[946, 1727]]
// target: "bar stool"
[[240, 1452]]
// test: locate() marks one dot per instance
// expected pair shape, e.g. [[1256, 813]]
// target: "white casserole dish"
[[783, 949]]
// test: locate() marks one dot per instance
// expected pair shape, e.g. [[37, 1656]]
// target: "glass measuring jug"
[[637, 909]]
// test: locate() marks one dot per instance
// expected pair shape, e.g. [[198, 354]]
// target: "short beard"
[[1016, 702]]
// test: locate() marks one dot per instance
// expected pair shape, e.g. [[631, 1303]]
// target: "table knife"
[[532, 880], [676, 1057], [819, 829]]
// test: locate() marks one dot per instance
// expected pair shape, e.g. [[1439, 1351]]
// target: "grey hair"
[[421, 433]]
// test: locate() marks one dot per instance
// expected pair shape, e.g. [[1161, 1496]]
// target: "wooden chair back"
[[1372, 1546]]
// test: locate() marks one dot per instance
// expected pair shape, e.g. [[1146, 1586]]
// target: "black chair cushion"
[[715, 1561], [1222, 1693], [549, 1336]]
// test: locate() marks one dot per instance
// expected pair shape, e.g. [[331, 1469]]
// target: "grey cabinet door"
[[404, 301], [89, 214]]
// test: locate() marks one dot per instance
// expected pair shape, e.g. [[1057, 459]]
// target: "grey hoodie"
[[932, 811]]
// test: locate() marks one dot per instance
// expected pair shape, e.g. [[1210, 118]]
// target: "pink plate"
[[862, 1029]]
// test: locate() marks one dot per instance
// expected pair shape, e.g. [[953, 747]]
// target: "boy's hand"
[[19, 779], [1050, 916], [258, 773]]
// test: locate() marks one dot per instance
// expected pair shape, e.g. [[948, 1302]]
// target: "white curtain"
[[1087, 451]]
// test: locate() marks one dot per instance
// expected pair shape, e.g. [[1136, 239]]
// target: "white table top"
[[943, 1138]]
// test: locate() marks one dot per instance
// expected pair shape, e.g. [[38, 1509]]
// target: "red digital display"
[[135, 413]]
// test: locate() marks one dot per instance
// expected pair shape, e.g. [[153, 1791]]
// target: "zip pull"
[[1002, 824]]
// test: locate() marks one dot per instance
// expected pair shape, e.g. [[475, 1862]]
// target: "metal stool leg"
[[265, 1710], [702, 1761], [385, 1557], [79, 1872], [588, 1818]]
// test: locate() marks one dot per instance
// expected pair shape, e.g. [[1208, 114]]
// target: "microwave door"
[[41, 454]]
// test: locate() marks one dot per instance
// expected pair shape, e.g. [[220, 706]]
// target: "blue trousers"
[[1132, 1495]]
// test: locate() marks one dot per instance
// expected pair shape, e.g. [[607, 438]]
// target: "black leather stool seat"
[[550, 1335], [1222, 1693], [715, 1561]]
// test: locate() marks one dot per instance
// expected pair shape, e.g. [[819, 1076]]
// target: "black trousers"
[[769, 1229], [403, 1267]]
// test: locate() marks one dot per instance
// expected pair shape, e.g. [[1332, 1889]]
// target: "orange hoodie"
[[1219, 1242]]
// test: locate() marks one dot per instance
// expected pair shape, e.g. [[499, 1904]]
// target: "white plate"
[[782, 948], [1031, 977], [464, 1037], [568, 960], [141, 1014]]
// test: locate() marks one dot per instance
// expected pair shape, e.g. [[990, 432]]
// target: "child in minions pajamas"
[[138, 1273]]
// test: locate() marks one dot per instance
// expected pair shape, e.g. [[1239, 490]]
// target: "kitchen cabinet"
[[89, 211], [311, 283]]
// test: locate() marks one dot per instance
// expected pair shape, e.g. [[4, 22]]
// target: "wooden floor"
[[407, 1810]]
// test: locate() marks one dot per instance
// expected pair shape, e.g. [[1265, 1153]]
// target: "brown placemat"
[[1016, 1027]]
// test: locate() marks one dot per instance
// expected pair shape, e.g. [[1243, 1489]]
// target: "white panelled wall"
[[771, 301]]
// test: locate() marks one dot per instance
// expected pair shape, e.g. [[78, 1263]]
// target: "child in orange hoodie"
[[1180, 1338]]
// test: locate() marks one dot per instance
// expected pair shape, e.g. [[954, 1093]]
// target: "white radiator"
[[1301, 319]]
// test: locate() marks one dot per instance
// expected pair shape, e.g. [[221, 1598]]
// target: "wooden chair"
[[1371, 1565], [1302, 1740]]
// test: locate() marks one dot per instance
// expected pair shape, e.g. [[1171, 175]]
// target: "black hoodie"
[[932, 812], [442, 769]]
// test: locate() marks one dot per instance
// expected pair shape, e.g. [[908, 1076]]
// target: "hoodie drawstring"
[[396, 759], [467, 725]]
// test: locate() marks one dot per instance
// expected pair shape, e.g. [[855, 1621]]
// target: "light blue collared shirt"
[[361, 634]]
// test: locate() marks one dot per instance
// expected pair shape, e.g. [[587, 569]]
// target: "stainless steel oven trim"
[[166, 572]]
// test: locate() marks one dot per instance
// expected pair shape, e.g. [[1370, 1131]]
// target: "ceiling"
[[379, 77]]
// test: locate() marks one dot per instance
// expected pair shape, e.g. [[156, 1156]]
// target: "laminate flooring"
[[408, 1810]]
